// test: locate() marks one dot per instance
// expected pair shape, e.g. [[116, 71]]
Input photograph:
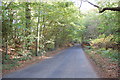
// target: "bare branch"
[[80, 4], [8, 5], [93, 4], [112, 9], [104, 9]]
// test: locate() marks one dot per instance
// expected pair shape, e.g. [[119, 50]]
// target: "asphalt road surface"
[[69, 63]]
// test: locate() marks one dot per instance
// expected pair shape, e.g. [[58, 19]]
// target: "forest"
[[31, 29]]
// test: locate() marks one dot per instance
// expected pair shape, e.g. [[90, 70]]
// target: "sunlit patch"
[[45, 57]]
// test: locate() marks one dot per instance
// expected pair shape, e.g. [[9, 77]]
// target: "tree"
[[104, 9]]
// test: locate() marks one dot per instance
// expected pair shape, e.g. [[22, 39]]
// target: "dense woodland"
[[34, 28]]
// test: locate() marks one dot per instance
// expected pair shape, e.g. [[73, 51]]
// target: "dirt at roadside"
[[103, 66]]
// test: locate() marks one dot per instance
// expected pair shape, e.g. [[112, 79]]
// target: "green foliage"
[[20, 21], [23, 53], [9, 66], [24, 58], [112, 54], [56, 22], [103, 30]]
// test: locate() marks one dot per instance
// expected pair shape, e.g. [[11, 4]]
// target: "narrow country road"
[[69, 63]]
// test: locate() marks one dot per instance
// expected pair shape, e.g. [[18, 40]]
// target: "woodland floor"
[[104, 66]]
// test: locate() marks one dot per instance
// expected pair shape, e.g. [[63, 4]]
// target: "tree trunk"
[[27, 15], [28, 19], [38, 33], [38, 37]]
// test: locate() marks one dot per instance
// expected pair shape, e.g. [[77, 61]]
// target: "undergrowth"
[[111, 54]]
